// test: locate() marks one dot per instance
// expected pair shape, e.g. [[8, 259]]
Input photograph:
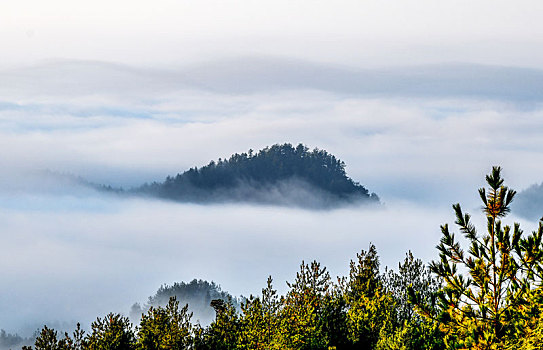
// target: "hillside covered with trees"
[[484, 292], [280, 174], [198, 294]]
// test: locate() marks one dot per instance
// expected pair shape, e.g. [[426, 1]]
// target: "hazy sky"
[[419, 98], [360, 33]]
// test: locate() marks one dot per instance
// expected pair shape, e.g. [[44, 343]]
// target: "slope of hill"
[[280, 174]]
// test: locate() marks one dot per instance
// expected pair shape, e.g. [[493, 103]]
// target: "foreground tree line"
[[484, 293]]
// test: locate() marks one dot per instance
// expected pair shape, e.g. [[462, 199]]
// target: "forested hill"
[[280, 174]]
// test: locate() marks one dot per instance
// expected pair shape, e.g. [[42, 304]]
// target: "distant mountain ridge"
[[280, 174]]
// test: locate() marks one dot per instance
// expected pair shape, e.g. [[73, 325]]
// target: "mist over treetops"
[[280, 174]]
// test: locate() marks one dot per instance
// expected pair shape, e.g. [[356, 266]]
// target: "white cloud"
[[65, 262], [76, 263], [388, 144]]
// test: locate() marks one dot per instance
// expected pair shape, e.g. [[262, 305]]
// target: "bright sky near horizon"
[[359, 33]]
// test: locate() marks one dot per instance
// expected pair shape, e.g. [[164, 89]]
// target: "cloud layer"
[[71, 263], [71, 254], [124, 126]]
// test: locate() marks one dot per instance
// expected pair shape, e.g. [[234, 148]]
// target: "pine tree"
[[407, 330], [113, 332], [259, 321], [223, 333], [486, 287], [165, 328], [369, 306], [301, 316]]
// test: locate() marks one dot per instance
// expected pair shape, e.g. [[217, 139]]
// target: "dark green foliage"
[[412, 276], [113, 332], [222, 334], [303, 307], [271, 306], [259, 320], [247, 177], [369, 307], [408, 330], [334, 319], [253, 325], [165, 328], [47, 340], [364, 278], [78, 341], [365, 310]]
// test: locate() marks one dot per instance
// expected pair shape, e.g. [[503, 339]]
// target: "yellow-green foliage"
[[165, 328], [259, 321], [300, 318], [488, 287]]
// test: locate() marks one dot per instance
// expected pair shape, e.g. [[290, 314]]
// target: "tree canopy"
[[198, 294], [492, 290], [280, 173]]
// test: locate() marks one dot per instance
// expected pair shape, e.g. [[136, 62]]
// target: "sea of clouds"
[[69, 254]]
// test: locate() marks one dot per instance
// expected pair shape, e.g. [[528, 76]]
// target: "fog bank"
[[64, 262]]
